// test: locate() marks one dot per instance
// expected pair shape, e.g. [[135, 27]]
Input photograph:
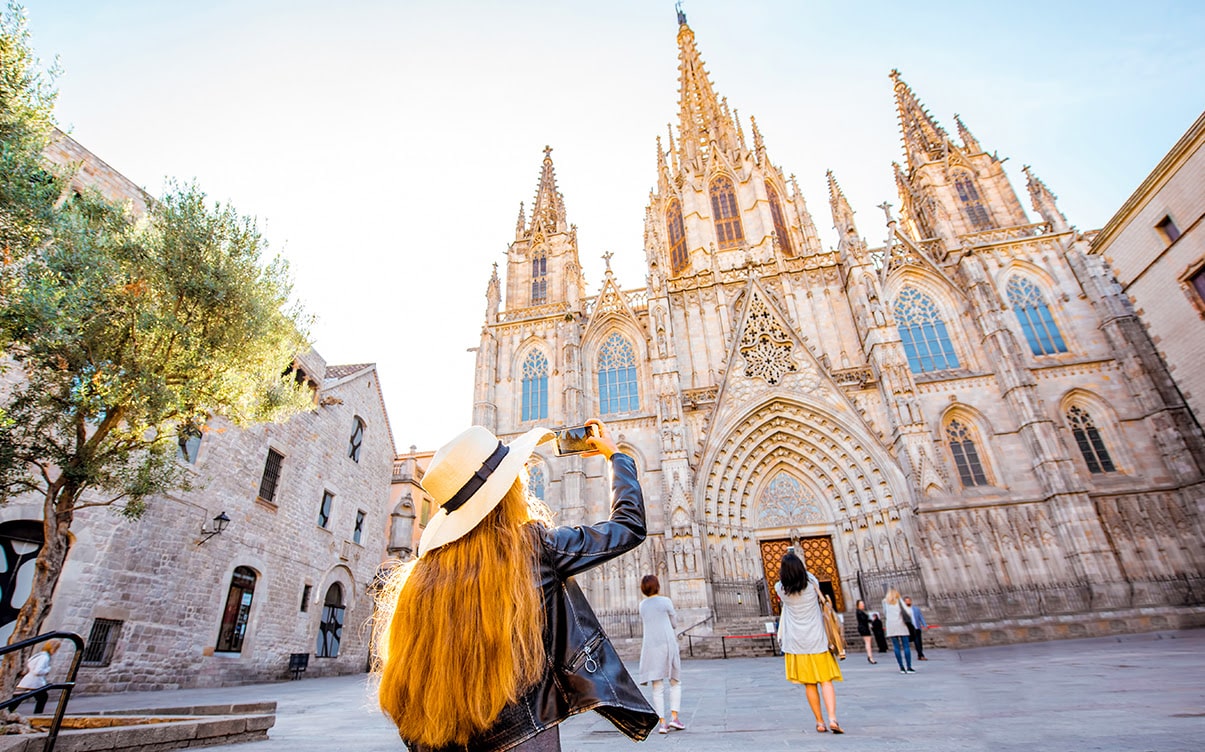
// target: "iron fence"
[[737, 598]]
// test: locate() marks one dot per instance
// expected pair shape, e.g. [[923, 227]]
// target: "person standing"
[[864, 628], [917, 629], [896, 628], [876, 629], [804, 642], [485, 641], [37, 668], [660, 661]]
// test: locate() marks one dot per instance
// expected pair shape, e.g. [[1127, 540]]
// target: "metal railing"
[[65, 687]]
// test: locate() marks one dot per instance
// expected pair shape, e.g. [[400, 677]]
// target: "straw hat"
[[468, 476]]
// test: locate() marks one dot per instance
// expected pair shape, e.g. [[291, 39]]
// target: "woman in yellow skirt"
[[804, 643]]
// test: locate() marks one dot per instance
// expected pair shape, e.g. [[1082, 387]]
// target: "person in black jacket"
[[864, 629], [880, 634], [486, 641]]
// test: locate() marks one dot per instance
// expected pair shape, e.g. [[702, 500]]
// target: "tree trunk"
[[57, 514]]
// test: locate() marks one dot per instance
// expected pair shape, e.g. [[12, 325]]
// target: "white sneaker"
[[663, 730]]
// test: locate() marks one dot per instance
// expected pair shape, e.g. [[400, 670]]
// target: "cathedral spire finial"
[[848, 239], [548, 209], [969, 142], [1044, 202], [704, 121], [681, 13], [924, 140], [607, 260]]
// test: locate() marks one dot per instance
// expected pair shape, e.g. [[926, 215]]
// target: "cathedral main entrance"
[[818, 557]]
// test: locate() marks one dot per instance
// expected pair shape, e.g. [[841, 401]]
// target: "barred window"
[[966, 454], [357, 439], [539, 278], [535, 386], [678, 258], [1036, 322], [237, 611], [267, 484], [102, 641], [971, 203], [780, 224], [618, 391], [728, 229], [926, 341], [1088, 438]]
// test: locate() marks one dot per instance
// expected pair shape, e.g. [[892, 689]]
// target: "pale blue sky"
[[385, 146]]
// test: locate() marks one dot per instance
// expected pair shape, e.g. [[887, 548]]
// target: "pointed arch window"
[[618, 391], [966, 454], [535, 386], [1034, 315], [678, 258], [972, 204], [539, 278], [780, 224], [535, 481], [330, 629], [1088, 438], [728, 229], [926, 341], [238, 611]]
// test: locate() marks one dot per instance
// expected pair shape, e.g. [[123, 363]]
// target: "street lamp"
[[219, 524]]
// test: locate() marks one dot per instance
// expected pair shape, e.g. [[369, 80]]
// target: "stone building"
[[272, 552], [411, 504], [1156, 247], [971, 412]]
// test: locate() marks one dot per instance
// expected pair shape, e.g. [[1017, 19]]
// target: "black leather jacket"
[[583, 671]]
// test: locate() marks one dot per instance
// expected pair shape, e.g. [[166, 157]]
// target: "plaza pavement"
[[1132, 692]]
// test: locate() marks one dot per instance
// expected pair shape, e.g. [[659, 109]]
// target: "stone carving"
[[766, 347], [783, 503]]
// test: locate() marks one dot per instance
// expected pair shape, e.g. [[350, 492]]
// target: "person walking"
[[485, 641], [660, 661], [897, 629], [917, 629], [37, 668], [804, 642], [864, 628]]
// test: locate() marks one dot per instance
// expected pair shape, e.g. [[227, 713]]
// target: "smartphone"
[[573, 440]]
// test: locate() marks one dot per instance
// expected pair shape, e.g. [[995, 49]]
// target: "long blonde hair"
[[892, 597], [460, 631]]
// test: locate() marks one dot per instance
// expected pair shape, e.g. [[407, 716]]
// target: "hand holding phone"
[[573, 440]]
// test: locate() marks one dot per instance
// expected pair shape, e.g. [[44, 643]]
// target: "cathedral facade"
[[970, 412]]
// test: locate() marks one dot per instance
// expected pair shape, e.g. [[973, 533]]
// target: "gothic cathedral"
[[971, 413]]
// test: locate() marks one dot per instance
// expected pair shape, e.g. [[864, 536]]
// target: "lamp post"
[[219, 524]]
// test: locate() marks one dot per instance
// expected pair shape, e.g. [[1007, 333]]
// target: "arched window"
[[780, 224], [1090, 443], [238, 611], [617, 388], [357, 439], [966, 454], [535, 386], [923, 332], [1033, 313], [539, 278], [728, 230], [971, 203], [535, 481], [678, 258], [330, 629]]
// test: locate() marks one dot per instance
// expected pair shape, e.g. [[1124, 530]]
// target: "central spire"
[[548, 210], [704, 120], [924, 140]]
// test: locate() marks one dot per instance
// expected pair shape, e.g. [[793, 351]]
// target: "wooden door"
[[818, 557]]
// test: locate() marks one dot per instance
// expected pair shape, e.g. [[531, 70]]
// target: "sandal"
[[835, 727], [821, 728]]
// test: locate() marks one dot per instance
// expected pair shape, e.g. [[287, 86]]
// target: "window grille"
[[923, 332], [535, 386], [330, 629], [728, 229], [1034, 315], [966, 454], [1089, 440], [618, 391], [102, 641], [267, 484]]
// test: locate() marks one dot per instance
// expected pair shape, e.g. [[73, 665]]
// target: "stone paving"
[[1133, 692]]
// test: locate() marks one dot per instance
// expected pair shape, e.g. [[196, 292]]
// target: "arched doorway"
[[20, 542]]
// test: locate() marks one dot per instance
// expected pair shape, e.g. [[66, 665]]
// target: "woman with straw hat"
[[487, 643]]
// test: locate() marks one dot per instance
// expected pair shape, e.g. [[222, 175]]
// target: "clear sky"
[[385, 146]]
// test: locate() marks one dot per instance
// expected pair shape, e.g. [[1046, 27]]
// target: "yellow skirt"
[[812, 668]]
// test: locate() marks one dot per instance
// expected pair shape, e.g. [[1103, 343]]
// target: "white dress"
[[659, 658], [801, 628]]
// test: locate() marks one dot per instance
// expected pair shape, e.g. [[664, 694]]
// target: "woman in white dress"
[[659, 658], [804, 642], [897, 630]]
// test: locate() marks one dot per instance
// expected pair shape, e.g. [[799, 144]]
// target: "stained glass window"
[[618, 391], [966, 454], [535, 386], [678, 258], [1090, 443], [728, 230], [926, 341], [535, 481], [780, 224], [971, 203], [1040, 330]]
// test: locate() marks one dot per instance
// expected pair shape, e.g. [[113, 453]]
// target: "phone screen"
[[573, 440]]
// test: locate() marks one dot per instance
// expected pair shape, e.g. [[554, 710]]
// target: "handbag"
[[907, 617], [832, 627]]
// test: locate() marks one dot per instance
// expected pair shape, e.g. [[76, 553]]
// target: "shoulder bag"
[[832, 626]]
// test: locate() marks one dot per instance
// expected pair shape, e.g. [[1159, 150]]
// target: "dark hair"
[[650, 585], [792, 573]]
